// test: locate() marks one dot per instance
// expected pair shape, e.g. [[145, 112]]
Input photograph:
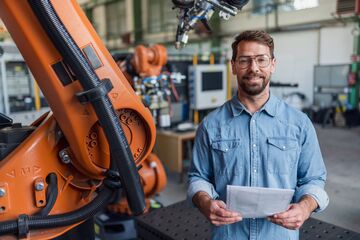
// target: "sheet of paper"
[[257, 202]]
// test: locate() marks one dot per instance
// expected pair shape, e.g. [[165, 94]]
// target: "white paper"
[[257, 202]]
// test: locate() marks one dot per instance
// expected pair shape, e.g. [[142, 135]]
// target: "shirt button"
[[255, 171], [254, 145], [226, 150], [283, 147], [253, 120]]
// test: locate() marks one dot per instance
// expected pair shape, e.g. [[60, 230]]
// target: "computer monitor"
[[207, 86]]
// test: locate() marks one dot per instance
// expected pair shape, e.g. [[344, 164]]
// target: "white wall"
[[296, 54], [336, 45]]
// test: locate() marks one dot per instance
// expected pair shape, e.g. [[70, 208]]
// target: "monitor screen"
[[212, 81]]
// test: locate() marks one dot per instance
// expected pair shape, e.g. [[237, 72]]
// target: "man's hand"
[[215, 210], [296, 215]]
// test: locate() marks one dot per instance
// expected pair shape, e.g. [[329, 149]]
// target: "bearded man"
[[256, 140]]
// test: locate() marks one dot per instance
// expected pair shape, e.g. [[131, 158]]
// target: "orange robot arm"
[[148, 62], [96, 137]]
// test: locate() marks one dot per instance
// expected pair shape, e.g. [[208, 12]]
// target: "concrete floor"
[[341, 152]]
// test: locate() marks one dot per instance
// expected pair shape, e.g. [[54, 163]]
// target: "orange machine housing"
[[71, 127], [149, 61]]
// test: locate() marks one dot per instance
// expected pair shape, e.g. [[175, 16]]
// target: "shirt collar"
[[270, 106], [236, 106]]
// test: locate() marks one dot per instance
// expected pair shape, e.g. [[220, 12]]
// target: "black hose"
[[51, 194], [59, 220], [183, 4], [121, 156], [237, 3]]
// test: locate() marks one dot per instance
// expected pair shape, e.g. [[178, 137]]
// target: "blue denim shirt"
[[275, 147]]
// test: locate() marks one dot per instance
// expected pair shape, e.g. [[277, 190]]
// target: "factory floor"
[[341, 151]]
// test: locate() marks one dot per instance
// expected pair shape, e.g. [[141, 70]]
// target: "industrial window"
[[115, 19], [302, 4], [160, 15], [267, 6]]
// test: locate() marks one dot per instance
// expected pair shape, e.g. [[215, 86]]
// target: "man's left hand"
[[296, 215]]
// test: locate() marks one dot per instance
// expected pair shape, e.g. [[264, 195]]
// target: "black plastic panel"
[[92, 57], [5, 121], [11, 137], [61, 73]]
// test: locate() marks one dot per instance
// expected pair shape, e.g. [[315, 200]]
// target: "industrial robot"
[[75, 160]]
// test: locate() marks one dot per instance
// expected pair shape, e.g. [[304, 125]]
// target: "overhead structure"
[[193, 11]]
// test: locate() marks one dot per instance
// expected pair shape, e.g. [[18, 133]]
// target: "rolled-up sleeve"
[[311, 169], [200, 176]]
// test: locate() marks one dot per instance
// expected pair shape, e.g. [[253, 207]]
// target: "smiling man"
[[256, 140]]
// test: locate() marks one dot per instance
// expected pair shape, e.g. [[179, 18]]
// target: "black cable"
[[183, 3], [237, 3], [59, 220], [51, 194]]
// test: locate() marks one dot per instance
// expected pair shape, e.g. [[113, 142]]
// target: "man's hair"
[[261, 37]]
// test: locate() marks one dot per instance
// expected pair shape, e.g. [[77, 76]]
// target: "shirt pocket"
[[227, 156], [281, 154]]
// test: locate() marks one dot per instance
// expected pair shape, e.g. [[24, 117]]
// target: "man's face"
[[253, 67]]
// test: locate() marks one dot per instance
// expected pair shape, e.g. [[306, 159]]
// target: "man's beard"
[[253, 90]]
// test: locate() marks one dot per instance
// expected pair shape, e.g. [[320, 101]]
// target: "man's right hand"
[[215, 210]]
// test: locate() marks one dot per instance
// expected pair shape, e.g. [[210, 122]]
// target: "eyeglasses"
[[262, 61]]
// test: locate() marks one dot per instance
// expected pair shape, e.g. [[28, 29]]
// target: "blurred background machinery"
[[17, 86], [153, 80]]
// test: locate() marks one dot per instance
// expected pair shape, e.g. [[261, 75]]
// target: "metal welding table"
[[181, 222]]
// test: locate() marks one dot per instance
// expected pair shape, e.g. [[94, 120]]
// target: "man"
[[256, 140]]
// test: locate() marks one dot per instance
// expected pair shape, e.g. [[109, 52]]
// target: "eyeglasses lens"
[[261, 60]]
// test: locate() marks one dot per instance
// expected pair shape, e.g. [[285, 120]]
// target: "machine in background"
[[153, 80], [207, 86], [16, 81], [333, 96]]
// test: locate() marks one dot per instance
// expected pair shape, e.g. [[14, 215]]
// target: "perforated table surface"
[[181, 222]]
